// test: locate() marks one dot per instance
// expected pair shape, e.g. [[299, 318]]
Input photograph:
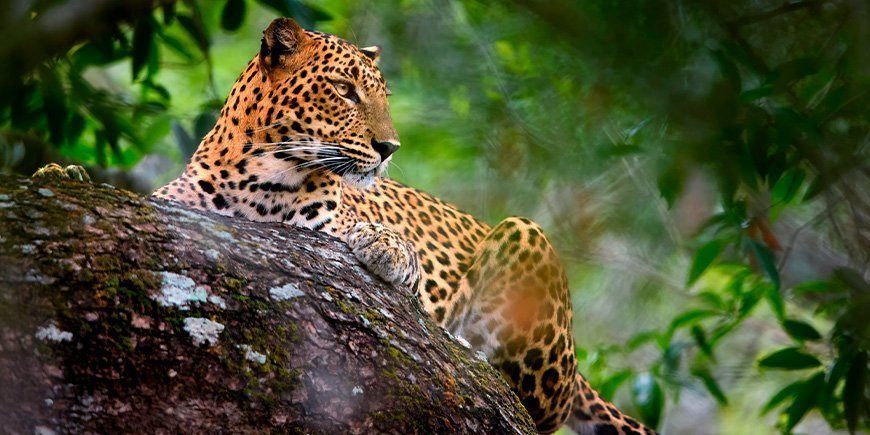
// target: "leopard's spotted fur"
[[301, 139]]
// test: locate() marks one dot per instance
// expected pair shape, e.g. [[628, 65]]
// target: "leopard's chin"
[[361, 180]]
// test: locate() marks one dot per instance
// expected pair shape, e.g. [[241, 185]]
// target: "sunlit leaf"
[[703, 259], [788, 185], [790, 358], [690, 317]]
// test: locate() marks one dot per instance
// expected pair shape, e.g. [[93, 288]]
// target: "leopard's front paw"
[[384, 252], [71, 172]]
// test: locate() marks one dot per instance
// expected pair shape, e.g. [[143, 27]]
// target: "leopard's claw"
[[71, 172]]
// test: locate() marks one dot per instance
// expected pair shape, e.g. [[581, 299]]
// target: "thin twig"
[[786, 7]]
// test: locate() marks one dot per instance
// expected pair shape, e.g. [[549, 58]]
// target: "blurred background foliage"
[[701, 165]]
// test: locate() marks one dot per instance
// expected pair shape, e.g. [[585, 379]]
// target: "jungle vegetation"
[[702, 166]]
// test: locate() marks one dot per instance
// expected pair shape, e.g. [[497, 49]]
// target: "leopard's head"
[[323, 104]]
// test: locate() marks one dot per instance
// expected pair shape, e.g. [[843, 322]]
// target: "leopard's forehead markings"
[[346, 59]]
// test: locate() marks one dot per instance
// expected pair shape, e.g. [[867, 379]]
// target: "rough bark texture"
[[125, 314]]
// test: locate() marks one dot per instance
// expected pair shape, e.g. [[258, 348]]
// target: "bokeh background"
[[701, 166]]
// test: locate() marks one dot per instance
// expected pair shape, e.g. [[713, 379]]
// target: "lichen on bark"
[[125, 314]]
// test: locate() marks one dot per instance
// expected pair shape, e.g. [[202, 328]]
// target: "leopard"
[[304, 137]]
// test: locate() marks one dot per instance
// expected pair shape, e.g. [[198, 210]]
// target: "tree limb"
[[124, 314]]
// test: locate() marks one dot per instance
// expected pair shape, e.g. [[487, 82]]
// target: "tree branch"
[[124, 314]]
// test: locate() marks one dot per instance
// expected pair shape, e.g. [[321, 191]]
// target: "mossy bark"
[[125, 314]]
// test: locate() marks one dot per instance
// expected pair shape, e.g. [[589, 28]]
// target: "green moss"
[[233, 284], [343, 306], [373, 316]]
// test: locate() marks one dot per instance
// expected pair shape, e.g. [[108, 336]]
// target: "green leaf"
[[774, 298], [817, 186], [607, 389], [854, 400], [805, 400], [788, 185], [648, 397], [143, 34], [758, 93], [177, 46], [195, 29], [203, 124], [794, 70], [790, 358], [233, 14], [689, 317], [54, 104], [168, 9], [816, 287], [853, 279], [186, 143], [712, 386], [703, 259], [787, 392], [640, 339], [768, 263], [701, 340], [800, 330], [304, 14], [670, 182]]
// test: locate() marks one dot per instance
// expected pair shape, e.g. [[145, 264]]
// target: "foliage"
[[702, 166]]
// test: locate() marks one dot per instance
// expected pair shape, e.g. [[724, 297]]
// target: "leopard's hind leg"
[[516, 308]]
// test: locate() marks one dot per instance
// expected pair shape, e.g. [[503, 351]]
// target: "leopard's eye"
[[343, 89], [346, 90]]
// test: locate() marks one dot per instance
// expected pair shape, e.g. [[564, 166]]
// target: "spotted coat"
[[302, 138]]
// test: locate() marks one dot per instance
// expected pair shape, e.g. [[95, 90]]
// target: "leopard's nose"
[[385, 148]]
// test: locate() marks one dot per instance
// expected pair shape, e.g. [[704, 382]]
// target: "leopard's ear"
[[373, 53], [281, 40]]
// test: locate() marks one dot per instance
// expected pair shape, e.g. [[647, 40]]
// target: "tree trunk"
[[126, 314]]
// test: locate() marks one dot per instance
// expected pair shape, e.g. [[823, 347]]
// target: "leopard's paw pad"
[[385, 253]]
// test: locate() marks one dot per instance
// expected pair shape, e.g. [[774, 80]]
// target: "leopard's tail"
[[592, 415]]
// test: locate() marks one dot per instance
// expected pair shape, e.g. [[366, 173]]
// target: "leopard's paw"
[[71, 172], [385, 252]]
